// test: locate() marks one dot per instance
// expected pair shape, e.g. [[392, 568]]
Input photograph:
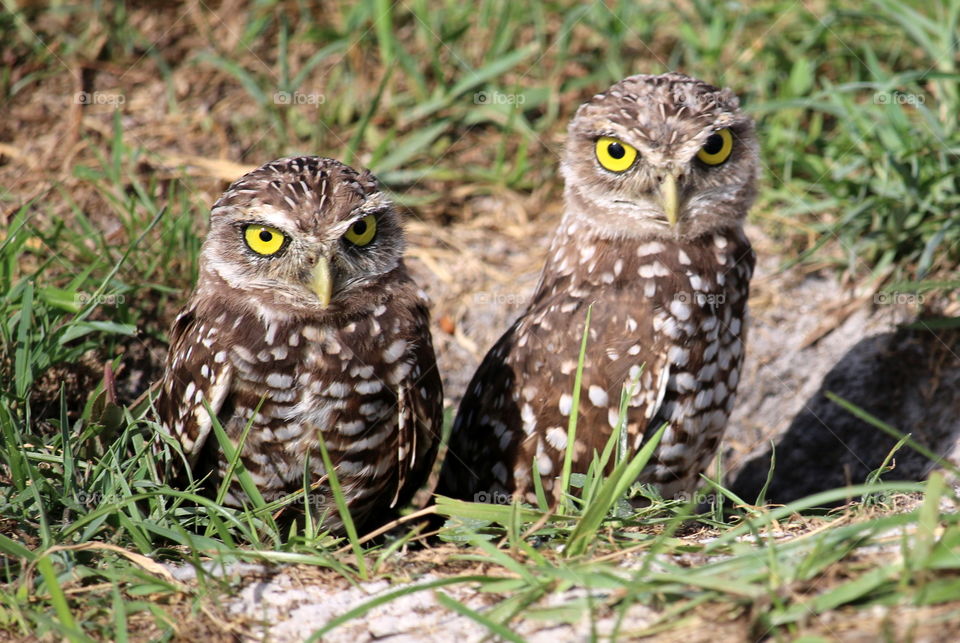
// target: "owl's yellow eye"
[[615, 155], [264, 240], [717, 148], [362, 232]]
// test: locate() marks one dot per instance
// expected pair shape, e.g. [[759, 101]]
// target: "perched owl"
[[659, 174], [306, 325]]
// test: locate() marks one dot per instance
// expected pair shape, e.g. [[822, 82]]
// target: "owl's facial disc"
[[660, 156], [304, 236], [655, 174], [361, 233]]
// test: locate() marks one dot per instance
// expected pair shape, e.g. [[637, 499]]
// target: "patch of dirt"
[[292, 602], [810, 335]]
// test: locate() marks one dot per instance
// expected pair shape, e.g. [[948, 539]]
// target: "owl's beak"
[[322, 281], [668, 196]]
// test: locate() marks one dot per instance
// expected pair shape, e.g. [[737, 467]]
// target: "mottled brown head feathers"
[[314, 203], [313, 190], [667, 119]]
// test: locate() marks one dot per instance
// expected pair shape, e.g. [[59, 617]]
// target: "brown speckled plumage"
[[668, 302], [360, 372]]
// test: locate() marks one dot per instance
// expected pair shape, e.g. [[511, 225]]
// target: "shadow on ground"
[[908, 378]]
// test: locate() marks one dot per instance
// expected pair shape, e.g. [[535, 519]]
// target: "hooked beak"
[[669, 199], [322, 282]]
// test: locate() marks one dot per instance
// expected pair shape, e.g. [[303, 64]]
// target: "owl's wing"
[[643, 373], [420, 408], [481, 433], [197, 370], [406, 442]]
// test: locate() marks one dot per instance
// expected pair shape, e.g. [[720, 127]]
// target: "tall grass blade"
[[574, 414], [334, 483]]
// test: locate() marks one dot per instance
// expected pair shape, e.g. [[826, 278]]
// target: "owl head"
[[660, 156], [303, 236]]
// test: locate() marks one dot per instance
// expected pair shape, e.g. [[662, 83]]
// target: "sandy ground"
[[291, 603]]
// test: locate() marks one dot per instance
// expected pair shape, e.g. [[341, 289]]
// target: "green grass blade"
[[498, 630], [484, 511], [414, 144], [574, 413], [120, 633], [23, 364], [612, 490], [349, 155], [383, 24], [334, 483], [59, 599]]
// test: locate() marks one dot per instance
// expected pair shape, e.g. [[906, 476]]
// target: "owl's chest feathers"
[[312, 376], [666, 321], [646, 277]]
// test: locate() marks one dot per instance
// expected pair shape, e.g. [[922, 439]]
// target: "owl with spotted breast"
[[659, 173], [305, 326]]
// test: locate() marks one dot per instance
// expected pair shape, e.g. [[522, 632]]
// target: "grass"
[[857, 108]]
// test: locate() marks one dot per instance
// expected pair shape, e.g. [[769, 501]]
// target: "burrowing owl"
[[305, 325], [659, 174]]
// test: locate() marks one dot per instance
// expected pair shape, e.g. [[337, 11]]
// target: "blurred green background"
[[857, 101]]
